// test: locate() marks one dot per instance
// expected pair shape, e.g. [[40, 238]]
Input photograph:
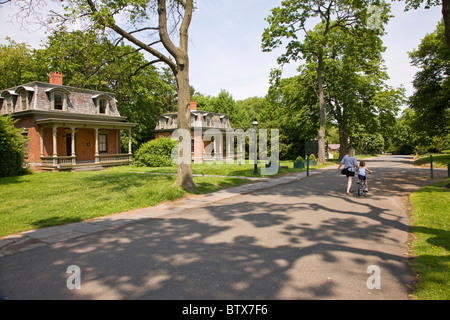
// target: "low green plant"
[[155, 153], [299, 159]]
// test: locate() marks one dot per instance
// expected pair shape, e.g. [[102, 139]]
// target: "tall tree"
[[431, 99], [15, 63], [291, 106], [354, 78], [289, 22]]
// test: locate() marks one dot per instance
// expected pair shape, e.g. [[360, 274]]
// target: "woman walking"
[[350, 166]]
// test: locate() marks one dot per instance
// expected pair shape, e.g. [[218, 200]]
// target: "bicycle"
[[361, 188]]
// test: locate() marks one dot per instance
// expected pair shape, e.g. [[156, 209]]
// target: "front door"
[[69, 144]]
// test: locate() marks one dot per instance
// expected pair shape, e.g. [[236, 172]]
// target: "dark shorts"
[[362, 177], [350, 174]]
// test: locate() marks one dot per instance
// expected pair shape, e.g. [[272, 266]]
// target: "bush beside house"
[[155, 153], [12, 145]]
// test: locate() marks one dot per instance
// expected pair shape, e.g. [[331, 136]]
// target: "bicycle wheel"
[[360, 188]]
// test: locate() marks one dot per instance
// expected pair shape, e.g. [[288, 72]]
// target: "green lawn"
[[53, 198], [439, 160], [431, 248], [243, 170]]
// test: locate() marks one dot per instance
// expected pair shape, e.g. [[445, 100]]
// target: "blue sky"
[[225, 45]]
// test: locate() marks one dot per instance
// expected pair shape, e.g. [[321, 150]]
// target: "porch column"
[[41, 138], [129, 141], [129, 144], [97, 158], [74, 156], [117, 141], [55, 146]]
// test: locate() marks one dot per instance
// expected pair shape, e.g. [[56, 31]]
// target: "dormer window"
[[102, 103], [102, 106], [9, 100], [25, 95], [23, 100], [224, 122], [208, 121], [58, 101], [58, 98]]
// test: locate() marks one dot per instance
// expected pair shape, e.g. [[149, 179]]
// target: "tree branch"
[[185, 25], [133, 39], [164, 35], [182, 2], [144, 66]]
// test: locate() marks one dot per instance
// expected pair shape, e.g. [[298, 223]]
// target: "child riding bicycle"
[[362, 174]]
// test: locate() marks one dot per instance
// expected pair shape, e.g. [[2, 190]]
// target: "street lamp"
[[255, 126]]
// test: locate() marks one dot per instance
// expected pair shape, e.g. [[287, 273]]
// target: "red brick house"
[[67, 128], [201, 121]]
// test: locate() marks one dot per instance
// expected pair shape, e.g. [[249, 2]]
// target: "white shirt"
[[362, 171]]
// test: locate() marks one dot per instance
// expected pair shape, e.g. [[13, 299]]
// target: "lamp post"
[[255, 126]]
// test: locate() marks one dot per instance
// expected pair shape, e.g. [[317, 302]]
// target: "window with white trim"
[[58, 100], [103, 143], [102, 103], [23, 100]]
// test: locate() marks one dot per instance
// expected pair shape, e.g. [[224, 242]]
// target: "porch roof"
[[61, 122], [71, 119]]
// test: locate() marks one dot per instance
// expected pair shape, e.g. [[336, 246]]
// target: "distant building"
[[333, 147], [67, 128], [201, 121]]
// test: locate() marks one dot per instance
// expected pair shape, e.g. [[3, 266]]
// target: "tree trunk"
[[342, 142], [342, 127], [184, 172], [181, 72], [446, 15], [323, 115]]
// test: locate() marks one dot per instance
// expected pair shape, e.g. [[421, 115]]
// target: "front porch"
[[72, 146]]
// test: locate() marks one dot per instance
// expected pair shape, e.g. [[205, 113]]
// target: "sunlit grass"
[[45, 199], [431, 228]]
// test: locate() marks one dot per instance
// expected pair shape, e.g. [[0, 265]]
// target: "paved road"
[[300, 240]]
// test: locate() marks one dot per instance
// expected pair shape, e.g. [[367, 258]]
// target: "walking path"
[[292, 237]]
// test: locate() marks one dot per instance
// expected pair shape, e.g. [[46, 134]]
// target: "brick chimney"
[[55, 78], [193, 105]]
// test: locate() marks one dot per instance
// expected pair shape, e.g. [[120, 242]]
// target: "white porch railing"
[[69, 161], [54, 161], [121, 157]]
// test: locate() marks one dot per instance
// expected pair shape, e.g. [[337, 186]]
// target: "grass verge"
[[439, 160], [46, 199], [239, 170], [431, 248]]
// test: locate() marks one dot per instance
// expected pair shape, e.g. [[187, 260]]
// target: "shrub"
[[12, 145], [155, 153], [299, 159], [312, 157]]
